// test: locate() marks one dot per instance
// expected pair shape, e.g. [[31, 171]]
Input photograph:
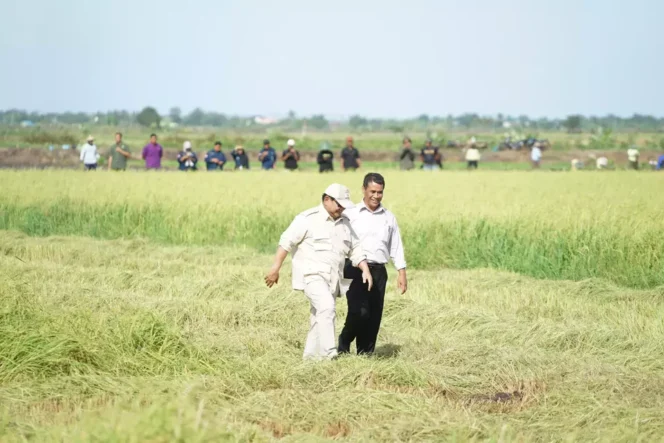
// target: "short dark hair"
[[153, 135], [218, 143], [119, 133], [373, 177], [407, 139]]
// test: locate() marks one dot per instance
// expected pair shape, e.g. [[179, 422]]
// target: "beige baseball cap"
[[341, 194]]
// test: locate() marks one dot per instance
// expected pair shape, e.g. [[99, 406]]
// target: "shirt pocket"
[[383, 232], [322, 242]]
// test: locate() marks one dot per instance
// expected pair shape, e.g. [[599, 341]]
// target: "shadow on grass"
[[387, 351]]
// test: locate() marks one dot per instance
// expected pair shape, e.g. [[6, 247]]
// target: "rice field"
[[132, 308]]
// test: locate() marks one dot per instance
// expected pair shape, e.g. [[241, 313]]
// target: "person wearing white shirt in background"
[[472, 156], [89, 155], [602, 162], [633, 157], [378, 231], [536, 155]]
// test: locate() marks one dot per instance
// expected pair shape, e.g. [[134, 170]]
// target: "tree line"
[[150, 117]]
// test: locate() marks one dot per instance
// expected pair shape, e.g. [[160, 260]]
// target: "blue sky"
[[379, 58]]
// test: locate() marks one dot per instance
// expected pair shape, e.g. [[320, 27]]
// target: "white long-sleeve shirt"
[[89, 154], [379, 233]]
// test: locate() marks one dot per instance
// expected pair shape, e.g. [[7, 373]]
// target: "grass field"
[[132, 308]]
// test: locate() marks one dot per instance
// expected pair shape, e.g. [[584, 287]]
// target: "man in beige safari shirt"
[[320, 239]]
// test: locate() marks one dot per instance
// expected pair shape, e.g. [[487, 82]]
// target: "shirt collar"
[[361, 206], [325, 216]]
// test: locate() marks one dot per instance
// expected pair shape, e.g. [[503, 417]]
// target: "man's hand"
[[402, 281], [272, 277], [366, 278]]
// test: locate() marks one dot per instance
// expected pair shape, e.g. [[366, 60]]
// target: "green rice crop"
[[546, 225]]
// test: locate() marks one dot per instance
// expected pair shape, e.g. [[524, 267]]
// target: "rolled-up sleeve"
[[396, 247], [294, 234], [356, 249]]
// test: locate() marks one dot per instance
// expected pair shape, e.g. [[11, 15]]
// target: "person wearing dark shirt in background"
[[325, 158], [215, 159], [290, 156], [267, 156], [350, 156], [187, 159], [406, 156], [118, 154], [240, 157], [430, 157]]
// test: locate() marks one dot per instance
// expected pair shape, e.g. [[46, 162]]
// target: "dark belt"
[[376, 265]]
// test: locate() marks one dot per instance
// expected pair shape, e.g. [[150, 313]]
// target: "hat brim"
[[346, 204]]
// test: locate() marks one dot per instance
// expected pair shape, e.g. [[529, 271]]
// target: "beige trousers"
[[321, 340]]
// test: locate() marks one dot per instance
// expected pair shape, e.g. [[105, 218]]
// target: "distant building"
[[260, 120]]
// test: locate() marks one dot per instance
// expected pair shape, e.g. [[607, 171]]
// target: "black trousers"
[[365, 310]]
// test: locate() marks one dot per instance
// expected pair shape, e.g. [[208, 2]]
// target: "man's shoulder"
[[389, 214], [309, 212]]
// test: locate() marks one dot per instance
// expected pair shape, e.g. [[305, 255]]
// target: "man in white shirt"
[[536, 155], [379, 233], [320, 239], [473, 156], [89, 154], [633, 157]]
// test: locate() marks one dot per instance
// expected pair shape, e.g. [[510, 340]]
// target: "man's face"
[[406, 144], [428, 144], [118, 138], [373, 195], [217, 148], [349, 142], [90, 142], [153, 139], [332, 207]]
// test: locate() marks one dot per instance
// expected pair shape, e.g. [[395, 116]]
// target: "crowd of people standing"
[[215, 160]]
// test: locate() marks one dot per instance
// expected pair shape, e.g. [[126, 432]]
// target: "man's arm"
[[110, 162], [398, 257], [123, 152], [291, 237], [358, 159], [359, 259], [272, 276]]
